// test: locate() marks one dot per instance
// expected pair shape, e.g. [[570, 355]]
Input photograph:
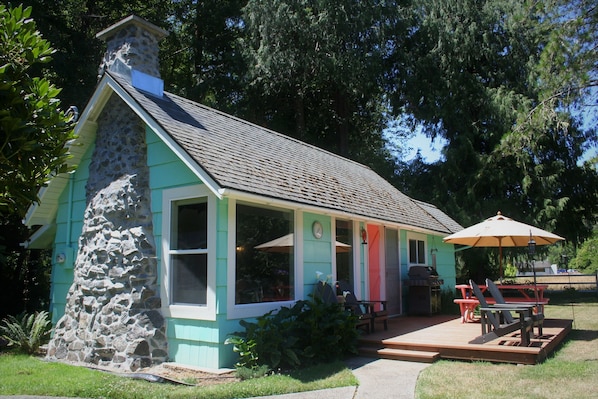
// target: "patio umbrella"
[[501, 231], [284, 244]]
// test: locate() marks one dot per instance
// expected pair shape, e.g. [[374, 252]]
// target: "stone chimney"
[[113, 312], [132, 51]]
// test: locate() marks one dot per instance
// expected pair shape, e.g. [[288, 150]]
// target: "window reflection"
[[264, 255]]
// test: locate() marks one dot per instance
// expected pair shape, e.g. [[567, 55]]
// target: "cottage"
[[180, 220]]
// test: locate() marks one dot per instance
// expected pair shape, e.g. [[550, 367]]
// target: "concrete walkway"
[[378, 379]]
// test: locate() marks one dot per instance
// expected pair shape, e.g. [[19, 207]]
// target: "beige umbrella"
[[285, 243], [501, 231]]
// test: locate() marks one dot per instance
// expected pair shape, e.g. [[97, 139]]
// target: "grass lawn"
[[571, 372], [24, 375]]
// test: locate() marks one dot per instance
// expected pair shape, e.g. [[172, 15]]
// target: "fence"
[[559, 282]]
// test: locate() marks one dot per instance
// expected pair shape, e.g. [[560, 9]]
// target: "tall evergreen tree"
[[474, 73], [202, 59], [317, 66]]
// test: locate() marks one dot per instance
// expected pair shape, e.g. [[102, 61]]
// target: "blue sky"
[[430, 151]]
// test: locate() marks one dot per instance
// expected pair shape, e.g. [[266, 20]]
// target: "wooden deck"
[[427, 339]]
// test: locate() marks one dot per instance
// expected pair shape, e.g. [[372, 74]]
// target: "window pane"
[[189, 278], [421, 252], [412, 251], [344, 255], [191, 225], [264, 274]]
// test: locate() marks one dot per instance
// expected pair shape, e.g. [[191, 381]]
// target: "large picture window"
[[189, 251], [264, 267]]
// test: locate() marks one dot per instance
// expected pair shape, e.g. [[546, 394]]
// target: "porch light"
[[364, 236]]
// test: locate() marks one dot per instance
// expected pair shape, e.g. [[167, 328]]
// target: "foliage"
[[202, 60], [26, 333], [315, 69], [510, 271], [71, 26], [33, 128], [491, 70], [586, 259], [309, 332]]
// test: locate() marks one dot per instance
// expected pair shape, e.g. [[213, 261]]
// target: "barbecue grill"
[[424, 290]]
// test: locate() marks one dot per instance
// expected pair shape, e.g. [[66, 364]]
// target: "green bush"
[[307, 333], [26, 333]]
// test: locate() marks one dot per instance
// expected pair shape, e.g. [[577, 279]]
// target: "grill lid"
[[422, 272]]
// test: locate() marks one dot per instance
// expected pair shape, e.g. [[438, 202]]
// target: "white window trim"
[[418, 237], [197, 312], [235, 311]]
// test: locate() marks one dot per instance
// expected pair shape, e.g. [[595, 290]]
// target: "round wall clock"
[[317, 229]]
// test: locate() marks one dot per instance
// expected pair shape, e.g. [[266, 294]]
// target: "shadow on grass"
[[582, 335], [317, 372]]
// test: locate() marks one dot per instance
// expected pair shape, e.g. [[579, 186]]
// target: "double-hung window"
[[188, 235], [189, 251], [417, 249]]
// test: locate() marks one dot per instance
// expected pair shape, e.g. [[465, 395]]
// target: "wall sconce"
[[364, 236], [60, 258]]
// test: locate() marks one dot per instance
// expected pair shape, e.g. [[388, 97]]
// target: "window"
[[264, 266], [344, 252], [188, 253], [417, 251]]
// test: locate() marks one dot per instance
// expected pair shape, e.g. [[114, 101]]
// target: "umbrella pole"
[[531, 249], [500, 259]]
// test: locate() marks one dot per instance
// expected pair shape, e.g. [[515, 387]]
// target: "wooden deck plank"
[[449, 337]]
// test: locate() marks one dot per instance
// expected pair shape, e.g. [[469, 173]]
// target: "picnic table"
[[525, 293]]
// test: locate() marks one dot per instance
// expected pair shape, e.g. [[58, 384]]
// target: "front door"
[[393, 271]]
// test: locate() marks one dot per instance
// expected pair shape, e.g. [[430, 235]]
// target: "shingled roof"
[[242, 156]]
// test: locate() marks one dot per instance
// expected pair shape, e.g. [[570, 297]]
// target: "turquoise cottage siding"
[[445, 261], [193, 342], [190, 341], [69, 224], [317, 254]]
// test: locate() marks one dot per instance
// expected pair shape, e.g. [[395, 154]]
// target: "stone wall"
[[112, 317]]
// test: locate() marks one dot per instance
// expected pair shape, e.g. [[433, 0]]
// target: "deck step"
[[401, 354]]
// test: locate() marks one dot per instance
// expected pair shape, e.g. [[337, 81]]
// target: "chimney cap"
[[134, 20]]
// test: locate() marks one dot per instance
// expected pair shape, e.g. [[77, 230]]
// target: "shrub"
[[307, 333], [26, 333]]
